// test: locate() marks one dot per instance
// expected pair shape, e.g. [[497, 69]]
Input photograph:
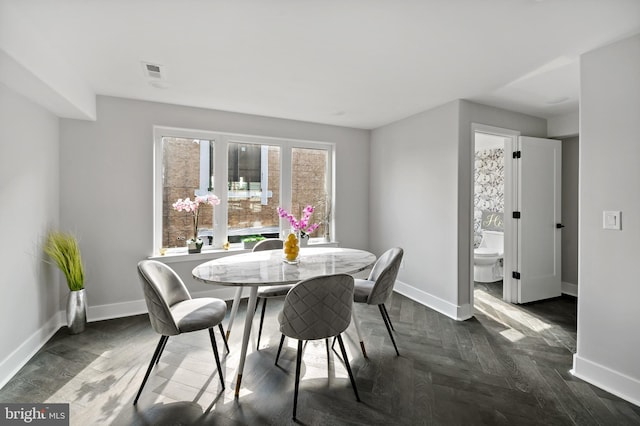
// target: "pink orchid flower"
[[301, 225], [189, 206]]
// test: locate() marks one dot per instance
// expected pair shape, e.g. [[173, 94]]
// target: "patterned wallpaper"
[[489, 186]]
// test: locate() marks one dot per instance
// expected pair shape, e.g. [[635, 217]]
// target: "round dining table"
[[268, 268]]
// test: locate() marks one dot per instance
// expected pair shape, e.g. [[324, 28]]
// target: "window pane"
[[254, 190], [309, 169], [187, 171]]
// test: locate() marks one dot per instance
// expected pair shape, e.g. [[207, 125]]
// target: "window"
[[309, 186], [252, 176], [187, 171], [254, 189]]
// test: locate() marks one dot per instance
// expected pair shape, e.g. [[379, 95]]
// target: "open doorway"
[[517, 218], [492, 240]]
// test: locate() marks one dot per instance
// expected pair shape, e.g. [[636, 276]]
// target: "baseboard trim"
[[137, 307], [570, 289], [10, 366], [116, 310], [607, 379], [457, 312], [22, 354]]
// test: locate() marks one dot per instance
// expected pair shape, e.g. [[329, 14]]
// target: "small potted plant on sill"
[[63, 249], [194, 244], [250, 241]]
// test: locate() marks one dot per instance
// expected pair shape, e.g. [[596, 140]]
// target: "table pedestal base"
[[234, 309], [238, 382], [251, 308]]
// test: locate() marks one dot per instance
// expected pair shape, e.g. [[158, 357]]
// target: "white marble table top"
[[267, 267]]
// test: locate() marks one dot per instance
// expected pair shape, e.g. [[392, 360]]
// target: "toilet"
[[487, 258]]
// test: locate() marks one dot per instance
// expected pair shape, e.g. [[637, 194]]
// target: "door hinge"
[[515, 275], [517, 154], [516, 215]]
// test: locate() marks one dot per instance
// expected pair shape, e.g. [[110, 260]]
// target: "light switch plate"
[[611, 220]]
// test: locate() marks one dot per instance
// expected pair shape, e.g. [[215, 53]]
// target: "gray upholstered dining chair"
[[269, 292], [317, 308], [377, 288], [172, 311]]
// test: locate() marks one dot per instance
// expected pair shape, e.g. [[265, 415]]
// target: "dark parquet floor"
[[507, 366]]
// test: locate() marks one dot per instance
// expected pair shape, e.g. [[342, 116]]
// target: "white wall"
[[414, 185], [421, 187], [609, 291], [107, 186], [563, 125], [30, 302]]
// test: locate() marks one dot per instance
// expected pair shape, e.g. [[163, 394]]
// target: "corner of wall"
[[457, 312], [563, 125], [605, 378], [10, 366]]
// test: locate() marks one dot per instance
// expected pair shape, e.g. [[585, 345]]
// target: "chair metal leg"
[[295, 393], [346, 363], [161, 350], [224, 338], [386, 323], [215, 354], [279, 348], [388, 317], [156, 355], [264, 308]]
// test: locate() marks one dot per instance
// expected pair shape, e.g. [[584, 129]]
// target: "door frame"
[[509, 286]]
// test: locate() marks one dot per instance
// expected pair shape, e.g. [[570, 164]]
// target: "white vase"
[[194, 246]]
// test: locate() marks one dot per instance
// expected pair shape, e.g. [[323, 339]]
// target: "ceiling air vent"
[[153, 71]]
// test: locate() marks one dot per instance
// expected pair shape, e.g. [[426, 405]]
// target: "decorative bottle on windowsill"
[[292, 247]]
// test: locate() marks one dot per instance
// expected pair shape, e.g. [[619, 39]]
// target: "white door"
[[539, 229]]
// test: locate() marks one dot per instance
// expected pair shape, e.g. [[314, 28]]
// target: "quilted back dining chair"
[[317, 308], [172, 311], [378, 286], [269, 292]]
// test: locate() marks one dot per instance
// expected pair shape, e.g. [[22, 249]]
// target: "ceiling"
[[356, 63]]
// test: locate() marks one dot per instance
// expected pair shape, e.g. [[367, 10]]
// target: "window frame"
[[220, 146]]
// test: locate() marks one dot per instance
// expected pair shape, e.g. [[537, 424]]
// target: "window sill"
[[180, 255]]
